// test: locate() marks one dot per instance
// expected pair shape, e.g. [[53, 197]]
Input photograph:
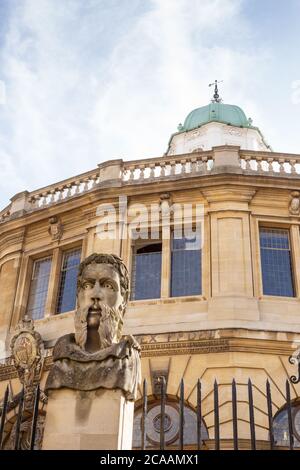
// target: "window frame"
[[136, 245], [56, 254], [294, 242], [34, 262], [201, 271], [62, 258], [132, 245]]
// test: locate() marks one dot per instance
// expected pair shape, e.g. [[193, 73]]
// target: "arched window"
[[281, 425], [171, 426]]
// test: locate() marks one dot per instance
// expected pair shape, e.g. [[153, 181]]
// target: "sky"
[[84, 81]]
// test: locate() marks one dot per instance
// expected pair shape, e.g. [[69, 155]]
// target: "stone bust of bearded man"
[[97, 356]]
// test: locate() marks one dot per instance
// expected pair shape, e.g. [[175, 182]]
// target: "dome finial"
[[216, 97]]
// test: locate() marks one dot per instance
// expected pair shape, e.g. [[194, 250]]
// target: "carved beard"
[[110, 328], [81, 326]]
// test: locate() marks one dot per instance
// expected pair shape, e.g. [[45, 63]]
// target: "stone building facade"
[[235, 313]]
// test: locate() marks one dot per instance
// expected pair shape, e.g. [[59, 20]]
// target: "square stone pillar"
[[19, 204], [111, 172], [226, 156], [95, 420]]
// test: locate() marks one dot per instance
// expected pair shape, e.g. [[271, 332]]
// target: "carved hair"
[[116, 263]]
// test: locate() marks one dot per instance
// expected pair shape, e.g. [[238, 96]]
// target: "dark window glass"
[[281, 425], [39, 288], [276, 262], [68, 281], [146, 273], [186, 267]]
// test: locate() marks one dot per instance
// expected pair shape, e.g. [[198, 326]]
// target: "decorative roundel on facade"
[[167, 423], [171, 424]]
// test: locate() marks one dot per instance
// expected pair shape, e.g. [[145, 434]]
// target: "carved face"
[[100, 286]]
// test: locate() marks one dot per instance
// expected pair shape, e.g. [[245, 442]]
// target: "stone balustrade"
[[175, 166], [271, 164], [64, 190], [118, 173]]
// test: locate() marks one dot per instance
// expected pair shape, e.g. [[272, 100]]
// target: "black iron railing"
[[30, 414], [283, 434], [273, 430]]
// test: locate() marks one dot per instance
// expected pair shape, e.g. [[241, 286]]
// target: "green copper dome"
[[215, 112]]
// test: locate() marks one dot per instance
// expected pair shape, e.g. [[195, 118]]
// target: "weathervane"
[[216, 97]]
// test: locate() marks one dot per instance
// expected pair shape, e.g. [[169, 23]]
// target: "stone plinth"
[[95, 420]]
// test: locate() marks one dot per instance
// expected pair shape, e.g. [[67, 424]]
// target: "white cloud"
[[161, 70], [89, 81]]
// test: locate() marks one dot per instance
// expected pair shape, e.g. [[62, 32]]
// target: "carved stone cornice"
[[211, 341], [193, 342], [9, 372], [185, 347], [228, 193]]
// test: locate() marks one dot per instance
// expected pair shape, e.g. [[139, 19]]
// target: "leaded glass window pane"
[[68, 281], [281, 426], [146, 273], [39, 288], [276, 262], [186, 267]]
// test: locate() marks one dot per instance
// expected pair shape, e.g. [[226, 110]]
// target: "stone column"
[[96, 420]]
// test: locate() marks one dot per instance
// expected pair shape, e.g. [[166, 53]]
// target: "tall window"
[[276, 262], [39, 288], [185, 267], [68, 281], [146, 272]]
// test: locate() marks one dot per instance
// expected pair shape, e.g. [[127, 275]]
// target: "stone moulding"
[[157, 345], [137, 172]]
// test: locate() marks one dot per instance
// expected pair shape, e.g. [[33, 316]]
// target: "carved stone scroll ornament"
[[295, 360], [97, 356], [165, 202], [294, 206]]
